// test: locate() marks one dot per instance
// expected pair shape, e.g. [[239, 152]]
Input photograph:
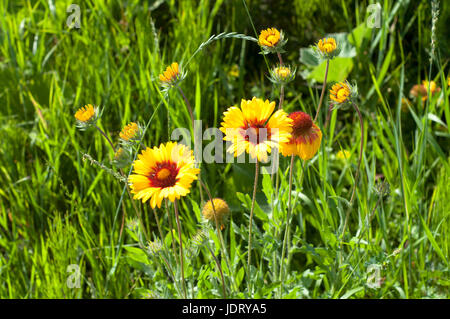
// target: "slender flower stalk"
[[288, 220], [106, 137], [188, 105], [219, 233], [255, 185], [175, 205], [361, 122], [323, 90]]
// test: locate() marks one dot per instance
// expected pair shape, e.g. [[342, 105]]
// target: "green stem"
[[219, 234], [361, 122], [181, 247], [323, 91], [288, 219], [250, 228]]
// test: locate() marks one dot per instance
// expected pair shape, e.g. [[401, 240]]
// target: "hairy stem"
[[323, 91]]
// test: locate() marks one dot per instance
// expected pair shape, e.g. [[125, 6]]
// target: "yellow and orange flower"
[[166, 171], [170, 75], [85, 114], [130, 132], [327, 45], [253, 128], [221, 211], [343, 155], [269, 37], [340, 92], [306, 137], [422, 89]]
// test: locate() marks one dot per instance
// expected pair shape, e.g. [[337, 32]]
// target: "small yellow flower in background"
[[221, 208], [306, 137], [448, 80], [86, 116], [340, 92], [271, 40], [234, 71], [131, 132], [166, 171], [343, 155], [253, 128], [327, 45], [422, 89]]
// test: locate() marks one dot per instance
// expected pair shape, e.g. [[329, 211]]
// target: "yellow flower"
[[85, 114], [253, 129], [171, 74], [340, 92], [221, 208], [327, 45], [129, 132], [422, 89], [343, 155], [234, 71], [448, 80], [306, 137], [269, 37], [164, 172]]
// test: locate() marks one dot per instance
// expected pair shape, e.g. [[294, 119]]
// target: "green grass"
[[57, 209]]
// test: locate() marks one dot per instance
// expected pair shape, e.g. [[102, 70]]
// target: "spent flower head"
[[272, 41], [86, 116], [220, 211], [282, 74]]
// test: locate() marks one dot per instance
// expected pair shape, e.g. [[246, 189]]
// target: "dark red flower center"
[[301, 124], [255, 132], [164, 175]]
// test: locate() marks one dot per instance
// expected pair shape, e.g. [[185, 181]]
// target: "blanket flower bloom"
[[221, 209], [166, 171], [86, 116], [253, 128], [306, 137]]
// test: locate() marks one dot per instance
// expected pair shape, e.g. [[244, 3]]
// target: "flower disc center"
[[163, 174]]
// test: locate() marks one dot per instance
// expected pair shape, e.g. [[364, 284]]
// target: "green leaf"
[[338, 70]]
